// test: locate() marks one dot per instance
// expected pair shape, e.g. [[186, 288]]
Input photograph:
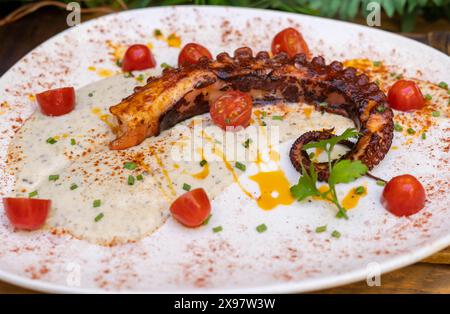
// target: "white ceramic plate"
[[289, 257]]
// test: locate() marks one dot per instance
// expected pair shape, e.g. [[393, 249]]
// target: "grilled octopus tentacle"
[[181, 93]]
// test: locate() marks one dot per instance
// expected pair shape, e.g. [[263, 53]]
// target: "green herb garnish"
[[343, 171], [157, 32], [217, 229], [376, 63], [97, 203], [443, 85], [381, 108], [428, 97], [207, 220], [130, 165], [99, 217], [186, 187], [53, 177], [247, 143], [130, 180], [72, 141], [381, 183], [51, 140], [32, 194], [336, 234], [227, 121], [140, 77], [424, 136], [91, 94], [398, 127], [436, 114], [118, 63], [73, 186], [360, 190], [165, 66], [323, 104], [139, 177], [411, 131], [261, 228], [280, 118], [240, 166], [203, 162], [321, 229]]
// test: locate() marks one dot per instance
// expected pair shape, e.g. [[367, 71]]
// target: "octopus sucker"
[[181, 93]]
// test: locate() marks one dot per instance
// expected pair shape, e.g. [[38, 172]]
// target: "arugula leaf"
[[347, 134], [346, 171], [306, 185]]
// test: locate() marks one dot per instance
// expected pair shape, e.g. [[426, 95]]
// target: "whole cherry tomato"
[[26, 213], [290, 41], [403, 195], [192, 208], [232, 109], [138, 57], [191, 53], [405, 96], [56, 102]]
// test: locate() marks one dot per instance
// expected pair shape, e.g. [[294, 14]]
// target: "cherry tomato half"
[[403, 195], [192, 208], [191, 53], [290, 41], [405, 96], [56, 102], [232, 109], [138, 57], [26, 213]]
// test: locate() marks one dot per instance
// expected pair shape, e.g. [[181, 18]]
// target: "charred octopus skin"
[[181, 93]]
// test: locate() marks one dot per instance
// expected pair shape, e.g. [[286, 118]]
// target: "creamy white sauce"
[[130, 212]]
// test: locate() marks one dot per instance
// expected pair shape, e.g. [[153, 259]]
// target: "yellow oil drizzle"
[[104, 73], [275, 189], [352, 198], [205, 170], [307, 111], [229, 167], [164, 171], [323, 189], [105, 118]]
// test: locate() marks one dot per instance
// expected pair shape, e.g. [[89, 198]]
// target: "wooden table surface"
[[429, 276]]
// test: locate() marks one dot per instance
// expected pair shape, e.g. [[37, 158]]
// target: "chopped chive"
[[398, 127], [311, 155], [118, 63], [381, 108], [53, 177], [392, 74], [72, 141], [227, 121], [376, 63], [400, 76], [321, 229], [186, 187], [436, 114], [264, 114], [130, 180], [424, 136], [240, 166], [217, 229], [428, 97], [204, 223], [203, 162], [32, 194], [377, 81], [410, 131], [98, 217], [443, 85], [336, 234], [261, 228], [51, 140], [381, 183], [139, 177], [247, 143], [140, 78], [323, 104], [263, 123], [341, 214], [157, 32], [165, 66], [91, 94], [277, 118], [130, 165], [97, 203], [360, 190], [73, 186]]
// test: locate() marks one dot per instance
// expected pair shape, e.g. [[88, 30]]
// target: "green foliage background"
[[408, 10]]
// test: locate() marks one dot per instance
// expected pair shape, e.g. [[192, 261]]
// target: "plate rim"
[[306, 285]]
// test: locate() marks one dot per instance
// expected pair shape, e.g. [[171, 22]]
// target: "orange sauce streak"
[[307, 111], [204, 172], [275, 189], [105, 118], [351, 199], [164, 171]]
